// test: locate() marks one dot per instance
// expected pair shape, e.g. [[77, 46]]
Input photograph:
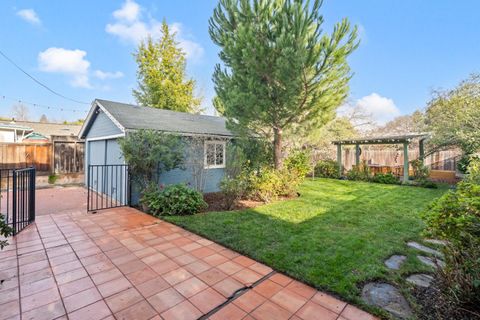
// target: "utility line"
[[38, 82]]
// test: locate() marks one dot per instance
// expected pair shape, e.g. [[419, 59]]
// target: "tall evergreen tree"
[[162, 80], [280, 71]]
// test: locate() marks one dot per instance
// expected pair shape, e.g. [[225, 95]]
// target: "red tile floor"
[[123, 264]]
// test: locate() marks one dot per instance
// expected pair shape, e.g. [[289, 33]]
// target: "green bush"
[[264, 184], [420, 171], [175, 199], [5, 231], [360, 172], [387, 178], [149, 153], [52, 178], [233, 190], [327, 169], [456, 217], [473, 171], [299, 161]]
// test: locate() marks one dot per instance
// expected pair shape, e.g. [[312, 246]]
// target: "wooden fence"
[[442, 160], [47, 158]]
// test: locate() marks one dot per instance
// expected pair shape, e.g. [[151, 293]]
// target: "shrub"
[[360, 172], [456, 217], [175, 199], [52, 178], [462, 164], [298, 162], [456, 213], [264, 184], [150, 152], [387, 178], [327, 169], [233, 190], [473, 171], [420, 171], [5, 231]]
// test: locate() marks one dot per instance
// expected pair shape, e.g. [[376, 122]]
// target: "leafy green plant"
[[473, 171], [298, 162], [264, 184], [52, 178], [233, 189], [5, 231], [150, 152], [420, 171], [386, 178], [360, 172], [175, 199], [456, 217], [327, 169]]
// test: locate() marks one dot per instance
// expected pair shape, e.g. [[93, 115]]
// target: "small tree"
[[149, 153], [162, 82], [21, 112], [195, 161], [280, 70]]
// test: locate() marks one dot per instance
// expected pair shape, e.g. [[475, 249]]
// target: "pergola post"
[[405, 162], [339, 159], [421, 150], [357, 154]]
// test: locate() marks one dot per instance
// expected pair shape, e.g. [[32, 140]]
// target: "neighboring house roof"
[[35, 136], [133, 117], [14, 126], [51, 129]]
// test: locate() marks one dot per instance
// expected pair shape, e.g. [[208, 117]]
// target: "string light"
[[38, 105]]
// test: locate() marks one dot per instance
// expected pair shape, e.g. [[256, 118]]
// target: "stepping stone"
[[387, 297], [431, 261], [421, 247], [420, 280], [437, 242], [395, 262]]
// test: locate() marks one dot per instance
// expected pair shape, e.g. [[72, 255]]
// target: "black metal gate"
[[17, 193], [108, 186]]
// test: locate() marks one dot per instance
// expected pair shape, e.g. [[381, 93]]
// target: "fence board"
[[67, 157]]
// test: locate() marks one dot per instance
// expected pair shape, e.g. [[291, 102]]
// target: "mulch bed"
[[433, 306], [216, 202]]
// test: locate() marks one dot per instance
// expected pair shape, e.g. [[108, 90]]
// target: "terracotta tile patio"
[[123, 264]]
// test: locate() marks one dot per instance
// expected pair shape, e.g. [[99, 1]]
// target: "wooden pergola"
[[403, 139]]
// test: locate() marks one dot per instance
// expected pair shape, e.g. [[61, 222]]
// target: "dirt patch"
[[216, 202]]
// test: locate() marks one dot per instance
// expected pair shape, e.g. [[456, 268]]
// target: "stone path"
[[123, 264], [388, 297]]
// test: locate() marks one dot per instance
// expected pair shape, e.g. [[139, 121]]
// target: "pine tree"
[[162, 80], [279, 71]]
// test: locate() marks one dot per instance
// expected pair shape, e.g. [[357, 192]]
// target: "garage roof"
[[133, 117]]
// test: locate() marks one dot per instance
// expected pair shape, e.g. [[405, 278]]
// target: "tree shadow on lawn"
[[334, 236]]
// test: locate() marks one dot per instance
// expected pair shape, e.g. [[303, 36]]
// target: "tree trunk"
[[277, 148]]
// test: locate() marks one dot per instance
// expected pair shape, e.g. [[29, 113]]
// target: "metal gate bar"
[[17, 193], [108, 186]]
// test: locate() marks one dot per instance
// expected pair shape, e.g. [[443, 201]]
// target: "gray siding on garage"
[[102, 127]]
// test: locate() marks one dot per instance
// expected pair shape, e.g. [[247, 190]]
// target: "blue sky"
[[83, 49]]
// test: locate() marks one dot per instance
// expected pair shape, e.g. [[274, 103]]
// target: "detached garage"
[[108, 121]]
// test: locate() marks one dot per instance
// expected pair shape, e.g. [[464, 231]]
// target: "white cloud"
[[30, 16], [380, 108], [130, 27], [103, 75], [72, 63], [69, 62], [130, 11]]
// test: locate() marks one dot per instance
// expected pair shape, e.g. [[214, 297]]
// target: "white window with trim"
[[214, 154]]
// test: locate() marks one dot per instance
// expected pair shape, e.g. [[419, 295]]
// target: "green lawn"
[[334, 236]]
